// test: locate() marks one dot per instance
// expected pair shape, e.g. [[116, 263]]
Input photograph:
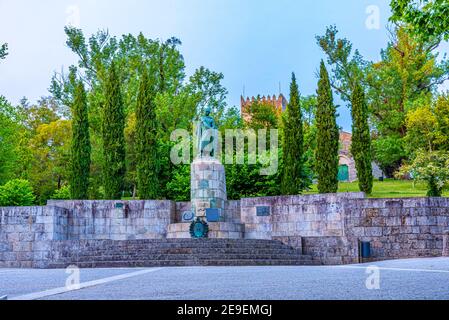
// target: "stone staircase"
[[176, 253]]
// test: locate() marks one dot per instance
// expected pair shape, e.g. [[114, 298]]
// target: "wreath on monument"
[[199, 229]]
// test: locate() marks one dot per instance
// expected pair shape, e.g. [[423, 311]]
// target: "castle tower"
[[279, 104]]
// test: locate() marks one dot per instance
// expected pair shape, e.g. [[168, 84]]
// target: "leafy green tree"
[[361, 140], [81, 147], [178, 186], [294, 179], [441, 112], [49, 169], [177, 99], [347, 64], [421, 129], [62, 194], [9, 127], [404, 79], [327, 136], [206, 86], [431, 167], [427, 18], [16, 193], [245, 181], [113, 137], [3, 51], [147, 151]]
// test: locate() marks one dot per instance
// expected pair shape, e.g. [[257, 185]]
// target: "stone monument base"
[[208, 189], [217, 230]]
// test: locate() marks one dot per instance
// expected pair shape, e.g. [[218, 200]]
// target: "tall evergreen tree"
[[81, 148], [361, 140], [113, 137], [146, 149], [294, 179], [327, 136]]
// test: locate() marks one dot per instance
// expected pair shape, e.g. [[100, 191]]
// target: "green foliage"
[[16, 193], [178, 187], [421, 129], [361, 140], [262, 116], [113, 137], [206, 86], [441, 112], [388, 153], [81, 148], [8, 140], [50, 158], [176, 99], [294, 179], [427, 18], [431, 167], [404, 80], [346, 64], [62, 194], [327, 136], [146, 150], [245, 181], [3, 51]]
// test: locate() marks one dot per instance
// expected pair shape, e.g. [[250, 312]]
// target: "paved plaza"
[[400, 279]]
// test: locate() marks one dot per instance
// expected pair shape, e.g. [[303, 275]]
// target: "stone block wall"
[[296, 216], [330, 227], [399, 228], [332, 250], [118, 220], [25, 233]]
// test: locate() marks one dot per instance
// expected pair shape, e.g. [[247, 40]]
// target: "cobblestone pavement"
[[401, 279]]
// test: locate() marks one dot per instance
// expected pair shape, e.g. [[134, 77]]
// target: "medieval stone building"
[[279, 104], [347, 170]]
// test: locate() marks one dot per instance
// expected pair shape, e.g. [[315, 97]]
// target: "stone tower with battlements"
[[279, 104]]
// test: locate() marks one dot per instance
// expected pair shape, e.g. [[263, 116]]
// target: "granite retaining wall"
[[328, 227]]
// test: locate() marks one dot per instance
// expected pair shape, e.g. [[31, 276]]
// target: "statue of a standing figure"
[[207, 137]]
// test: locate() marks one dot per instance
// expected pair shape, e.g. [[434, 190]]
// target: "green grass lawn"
[[386, 189]]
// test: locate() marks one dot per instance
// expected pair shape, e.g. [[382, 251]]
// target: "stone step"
[[171, 241], [183, 263], [131, 246], [126, 257], [185, 252], [198, 251]]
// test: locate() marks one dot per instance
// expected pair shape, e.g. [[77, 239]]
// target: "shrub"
[[431, 167], [62, 194], [16, 193]]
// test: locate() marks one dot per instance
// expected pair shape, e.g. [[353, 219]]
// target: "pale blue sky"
[[254, 43]]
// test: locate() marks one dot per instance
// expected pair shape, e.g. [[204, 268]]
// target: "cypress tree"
[[80, 148], [147, 157], [327, 136], [113, 137], [293, 179], [361, 140]]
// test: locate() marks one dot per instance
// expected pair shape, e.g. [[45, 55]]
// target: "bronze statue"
[[207, 138]]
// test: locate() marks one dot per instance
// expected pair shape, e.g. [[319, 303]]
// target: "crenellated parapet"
[[279, 104]]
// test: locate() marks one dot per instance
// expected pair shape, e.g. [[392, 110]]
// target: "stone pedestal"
[[208, 187], [217, 230], [446, 244]]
